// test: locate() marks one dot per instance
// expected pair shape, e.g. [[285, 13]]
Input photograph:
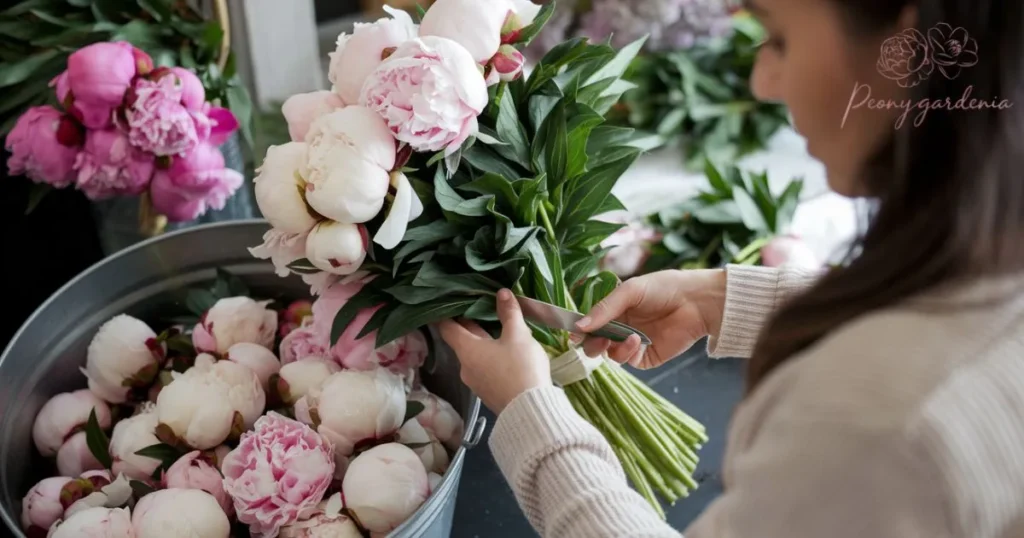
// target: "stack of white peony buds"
[[398, 87]]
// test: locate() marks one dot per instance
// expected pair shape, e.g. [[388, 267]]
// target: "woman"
[[886, 399]]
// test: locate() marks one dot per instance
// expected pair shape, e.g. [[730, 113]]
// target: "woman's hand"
[[673, 308], [499, 370]]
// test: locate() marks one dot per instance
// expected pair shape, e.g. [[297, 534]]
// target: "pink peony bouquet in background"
[[123, 127], [206, 420]]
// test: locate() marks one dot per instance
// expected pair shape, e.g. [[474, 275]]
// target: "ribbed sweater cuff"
[[752, 294], [533, 423]]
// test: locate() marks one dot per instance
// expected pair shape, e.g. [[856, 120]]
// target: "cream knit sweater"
[[907, 423]]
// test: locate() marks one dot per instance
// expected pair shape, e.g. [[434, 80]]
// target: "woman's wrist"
[[711, 300]]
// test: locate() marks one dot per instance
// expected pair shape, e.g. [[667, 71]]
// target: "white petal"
[[393, 229], [118, 492], [334, 504]]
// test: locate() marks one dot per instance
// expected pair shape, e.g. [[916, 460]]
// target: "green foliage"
[[37, 36], [702, 98], [729, 223], [514, 209]]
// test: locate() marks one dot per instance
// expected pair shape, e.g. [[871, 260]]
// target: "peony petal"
[[224, 125], [393, 229]]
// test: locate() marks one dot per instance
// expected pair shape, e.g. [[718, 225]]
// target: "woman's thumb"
[[510, 314]]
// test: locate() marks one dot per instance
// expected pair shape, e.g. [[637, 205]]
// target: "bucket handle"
[[474, 434]]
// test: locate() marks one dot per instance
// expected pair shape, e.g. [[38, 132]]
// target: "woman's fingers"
[[594, 347], [511, 316], [613, 306], [623, 352], [456, 335], [475, 329]]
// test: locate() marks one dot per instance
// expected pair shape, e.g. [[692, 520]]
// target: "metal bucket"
[[145, 280]]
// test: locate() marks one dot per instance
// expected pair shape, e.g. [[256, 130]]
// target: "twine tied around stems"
[[573, 366], [152, 223]]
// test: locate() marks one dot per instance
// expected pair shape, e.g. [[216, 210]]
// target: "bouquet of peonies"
[[127, 128], [207, 421], [434, 173], [738, 221]]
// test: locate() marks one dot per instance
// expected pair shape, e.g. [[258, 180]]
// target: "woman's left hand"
[[499, 370]]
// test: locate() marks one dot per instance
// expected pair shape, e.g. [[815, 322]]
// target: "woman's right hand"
[[673, 308]]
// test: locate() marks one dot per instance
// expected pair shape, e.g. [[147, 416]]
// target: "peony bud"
[[209, 403], [435, 480], [384, 486], [42, 505], [40, 147], [193, 95], [113, 495], [75, 458], [326, 522], [427, 447], [302, 343], [193, 471], [343, 186], [354, 127], [256, 358], [789, 251], [180, 513], [129, 436], [475, 25], [337, 248], [98, 522], [297, 379], [98, 76], [358, 54], [508, 63], [278, 474], [301, 110], [194, 183], [281, 191], [233, 320], [98, 477], [439, 418], [356, 408], [63, 415], [123, 355]]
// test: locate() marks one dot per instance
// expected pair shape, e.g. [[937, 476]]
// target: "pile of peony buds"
[[313, 440], [124, 128]]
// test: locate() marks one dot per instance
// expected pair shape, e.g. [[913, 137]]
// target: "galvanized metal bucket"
[[145, 281]]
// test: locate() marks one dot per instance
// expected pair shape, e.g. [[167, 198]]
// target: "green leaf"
[[97, 441], [541, 104], [495, 185], [592, 189], [11, 74], [582, 121], [485, 159], [788, 202], [511, 131], [240, 104], [550, 148], [596, 288], [36, 195], [375, 322], [526, 35], [620, 63], [432, 275], [555, 258], [533, 192], [726, 212], [407, 318], [160, 10], [161, 452], [416, 294], [366, 298], [716, 180], [412, 410], [198, 301], [303, 266], [449, 200], [484, 309], [540, 259], [590, 234], [749, 212], [580, 267]]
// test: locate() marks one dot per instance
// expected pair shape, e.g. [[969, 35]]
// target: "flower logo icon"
[[952, 49], [910, 58]]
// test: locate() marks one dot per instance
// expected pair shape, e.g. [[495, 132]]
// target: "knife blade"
[[554, 317]]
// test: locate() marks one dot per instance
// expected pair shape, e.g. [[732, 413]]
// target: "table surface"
[[707, 389]]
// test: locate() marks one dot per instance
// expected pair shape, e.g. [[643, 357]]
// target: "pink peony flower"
[[43, 145], [430, 92], [281, 248], [302, 343], [232, 320], [384, 486], [789, 251], [301, 110], [358, 54], [108, 165], [630, 247], [193, 95], [294, 316], [193, 184], [180, 513], [439, 418], [98, 77], [195, 471], [157, 120], [278, 474], [255, 357], [43, 505], [298, 378], [98, 522], [63, 415], [75, 458]]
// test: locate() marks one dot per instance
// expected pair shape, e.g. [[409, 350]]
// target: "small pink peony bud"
[[359, 408], [99, 522], [384, 486], [508, 63], [75, 458], [193, 471], [124, 355], [255, 357], [42, 505], [65, 414], [439, 418], [233, 320], [180, 513]]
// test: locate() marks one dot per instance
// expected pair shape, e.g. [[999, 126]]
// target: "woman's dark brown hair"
[[950, 193]]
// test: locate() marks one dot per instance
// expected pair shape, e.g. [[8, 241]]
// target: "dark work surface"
[[706, 389]]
